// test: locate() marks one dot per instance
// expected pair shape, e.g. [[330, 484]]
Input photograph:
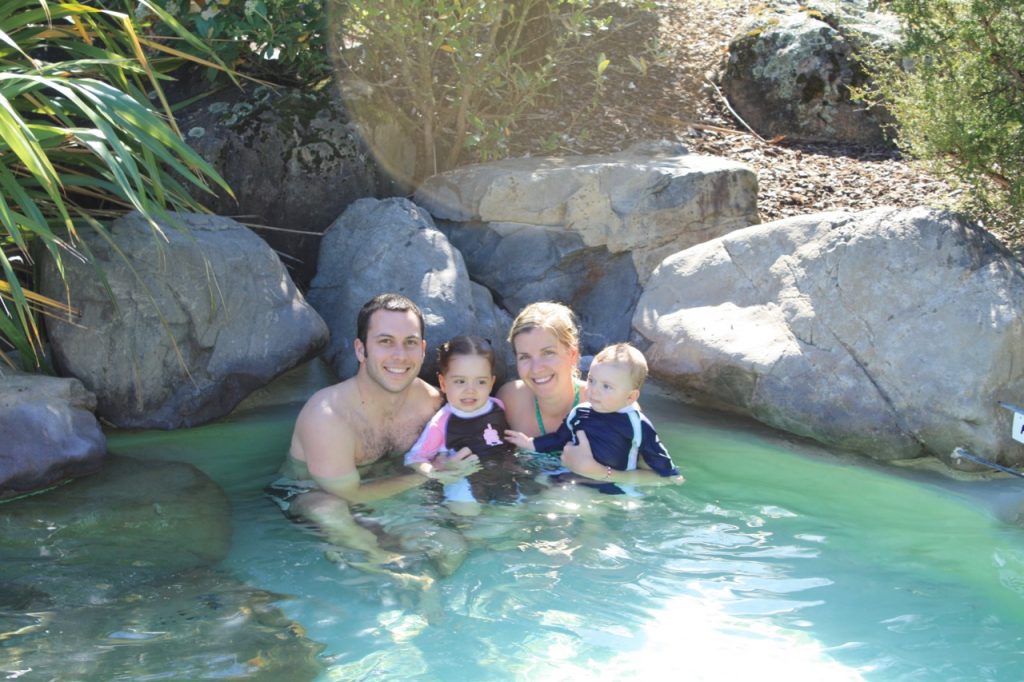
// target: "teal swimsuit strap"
[[536, 405]]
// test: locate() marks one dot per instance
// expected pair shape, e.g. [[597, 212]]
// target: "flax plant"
[[85, 136]]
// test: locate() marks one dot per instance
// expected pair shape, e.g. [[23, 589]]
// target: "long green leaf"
[[17, 135]]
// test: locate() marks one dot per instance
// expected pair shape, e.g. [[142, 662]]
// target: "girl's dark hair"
[[464, 345]]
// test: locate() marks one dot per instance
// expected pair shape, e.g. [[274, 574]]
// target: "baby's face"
[[609, 387]]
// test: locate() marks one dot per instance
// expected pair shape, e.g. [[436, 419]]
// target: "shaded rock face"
[[791, 66], [111, 577], [393, 245], [294, 161], [204, 319], [586, 231], [526, 263], [48, 432], [895, 333]]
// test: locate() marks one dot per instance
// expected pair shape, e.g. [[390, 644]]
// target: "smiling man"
[[378, 412]]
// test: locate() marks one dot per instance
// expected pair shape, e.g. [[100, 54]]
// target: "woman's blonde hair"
[[557, 318]]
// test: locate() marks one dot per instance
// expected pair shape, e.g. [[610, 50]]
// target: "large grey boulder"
[[378, 246], [294, 159], [648, 201], [895, 333], [586, 231], [791, 66], [197, 321], [527, 263], [48, 432]]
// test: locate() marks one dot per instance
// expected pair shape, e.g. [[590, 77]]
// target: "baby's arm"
[[519, 439], [653, 454]]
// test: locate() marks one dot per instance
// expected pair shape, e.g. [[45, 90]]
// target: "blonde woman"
[[545, 338]]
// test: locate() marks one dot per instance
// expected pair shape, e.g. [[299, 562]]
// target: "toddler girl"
[[470, 418]]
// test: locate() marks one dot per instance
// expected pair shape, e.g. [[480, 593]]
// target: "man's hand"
[[448, 468]]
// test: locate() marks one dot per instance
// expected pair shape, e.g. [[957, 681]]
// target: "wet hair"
[[627, 356], [390, 302], [464, 345], [557, 318]]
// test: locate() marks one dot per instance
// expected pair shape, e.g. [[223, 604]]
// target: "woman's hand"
[[580, 460]]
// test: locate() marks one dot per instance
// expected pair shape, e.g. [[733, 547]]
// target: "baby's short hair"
[[628, 356]]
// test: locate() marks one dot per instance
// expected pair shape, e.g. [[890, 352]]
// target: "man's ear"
[[360, 351]]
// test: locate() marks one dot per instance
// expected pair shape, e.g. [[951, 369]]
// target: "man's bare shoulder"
[[426, 396], [331, 407]]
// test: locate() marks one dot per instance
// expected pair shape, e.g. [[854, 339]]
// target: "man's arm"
[[327, 442]]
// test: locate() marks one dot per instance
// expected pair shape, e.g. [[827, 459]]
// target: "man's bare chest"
[[394, 436]]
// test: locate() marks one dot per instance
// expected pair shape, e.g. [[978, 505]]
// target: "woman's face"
[[543, 362]]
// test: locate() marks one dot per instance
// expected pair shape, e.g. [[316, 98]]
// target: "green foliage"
[[459, 75], [80, 143], [282, 40], [454, 75], [960, 100]]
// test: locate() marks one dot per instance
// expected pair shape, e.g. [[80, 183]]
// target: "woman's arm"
[[580, 460]]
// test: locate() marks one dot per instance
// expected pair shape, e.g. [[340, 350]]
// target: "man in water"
[[378, 412]]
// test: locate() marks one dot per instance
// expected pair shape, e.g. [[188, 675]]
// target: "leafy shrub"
[[459, 74], [283, 40], [80, 144], [960, 100], [455, 76]]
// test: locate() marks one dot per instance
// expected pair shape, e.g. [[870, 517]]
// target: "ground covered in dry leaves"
[[670, 96]]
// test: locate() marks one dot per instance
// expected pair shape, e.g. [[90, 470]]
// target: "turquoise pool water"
[[774, 560]]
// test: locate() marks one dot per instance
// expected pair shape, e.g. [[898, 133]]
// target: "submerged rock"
[[895, 333], [115, 576], [197, 625], [132, 518]]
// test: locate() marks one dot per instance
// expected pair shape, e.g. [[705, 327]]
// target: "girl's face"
[[467, 382], [543, 362]]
